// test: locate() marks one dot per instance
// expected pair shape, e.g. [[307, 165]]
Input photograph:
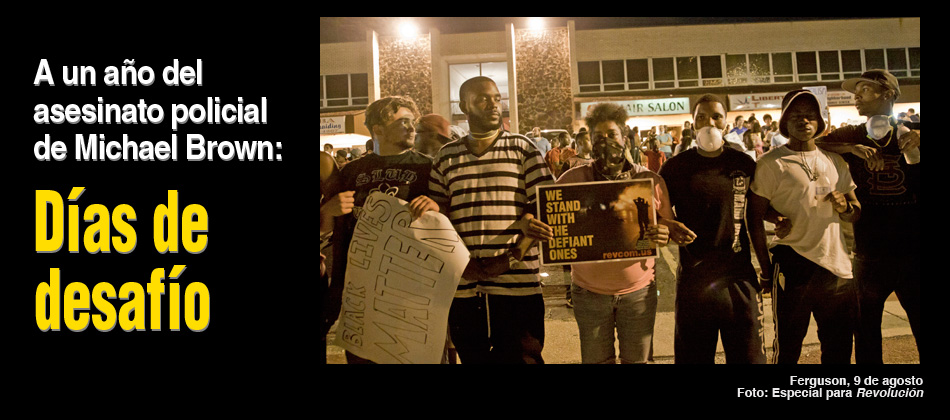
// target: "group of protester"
[[711, 201], [745, 135], [562, 152], [342, 156]]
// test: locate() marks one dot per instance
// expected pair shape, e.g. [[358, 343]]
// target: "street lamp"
[[408, 29], [535, 23]]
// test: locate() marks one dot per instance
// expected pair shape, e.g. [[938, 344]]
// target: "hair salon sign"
[[642, 107]]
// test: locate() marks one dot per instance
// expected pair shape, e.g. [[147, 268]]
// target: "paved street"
[[562, 343]]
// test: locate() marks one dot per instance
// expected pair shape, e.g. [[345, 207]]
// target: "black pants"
[[810, 290], [877, 278], [705, 309], [498, 329]]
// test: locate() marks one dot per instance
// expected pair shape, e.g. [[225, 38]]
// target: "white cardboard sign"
[[401, 276]]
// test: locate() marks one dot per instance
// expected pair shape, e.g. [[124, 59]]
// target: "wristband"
[[849, 209]]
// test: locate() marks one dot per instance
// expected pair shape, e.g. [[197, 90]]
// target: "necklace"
[[812, 174], [890, 135], [485, 136]]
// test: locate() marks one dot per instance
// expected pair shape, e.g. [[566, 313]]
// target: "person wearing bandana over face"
[[812, 268], [617, 296], [717, 291]]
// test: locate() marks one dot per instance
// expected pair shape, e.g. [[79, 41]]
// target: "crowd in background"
[[715, 183]]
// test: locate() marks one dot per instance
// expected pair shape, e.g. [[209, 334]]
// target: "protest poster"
[[401, 276], [597, 221]]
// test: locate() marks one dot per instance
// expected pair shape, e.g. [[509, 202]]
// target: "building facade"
[[549, 77]]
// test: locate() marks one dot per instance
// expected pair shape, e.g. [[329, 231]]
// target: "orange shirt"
[[655, 159]]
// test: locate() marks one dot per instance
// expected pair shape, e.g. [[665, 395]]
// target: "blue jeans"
[[631, 316]]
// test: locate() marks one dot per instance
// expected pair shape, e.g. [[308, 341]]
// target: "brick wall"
[[543, 63], [405, 69]]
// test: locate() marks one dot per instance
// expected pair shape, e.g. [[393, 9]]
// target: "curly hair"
[[606, 111], [380, 111]]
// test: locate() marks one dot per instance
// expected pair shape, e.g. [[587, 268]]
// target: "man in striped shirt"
[[485, 183]]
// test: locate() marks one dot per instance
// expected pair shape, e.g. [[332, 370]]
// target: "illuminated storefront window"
[[459, 73]]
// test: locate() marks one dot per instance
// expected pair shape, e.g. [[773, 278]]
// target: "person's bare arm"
[[339, 205], [679, 232], [422, 204], [871, 155], [846, 205], [658, 233], [755, 217], [783, 225], [909, 140]]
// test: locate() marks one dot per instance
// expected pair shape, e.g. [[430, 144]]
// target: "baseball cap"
[[795, 95], [435, 123], [878, 76]]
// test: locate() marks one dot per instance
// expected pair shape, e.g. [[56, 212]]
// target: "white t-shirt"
[[781, 177]]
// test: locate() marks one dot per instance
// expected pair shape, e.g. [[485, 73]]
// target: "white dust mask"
[[709, 138], [878, 126]]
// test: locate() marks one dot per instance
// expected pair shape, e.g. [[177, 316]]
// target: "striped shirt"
[[485, 196]]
